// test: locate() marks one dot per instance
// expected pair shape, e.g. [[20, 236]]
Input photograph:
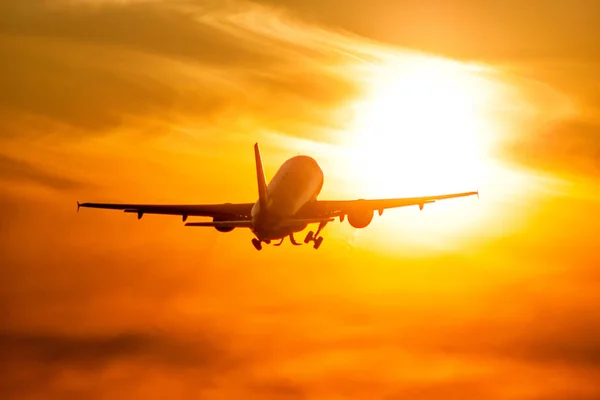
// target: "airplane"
[[286, 205]]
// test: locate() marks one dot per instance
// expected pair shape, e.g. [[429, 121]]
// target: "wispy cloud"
[[16, 171], [100, 66], [568, 147]]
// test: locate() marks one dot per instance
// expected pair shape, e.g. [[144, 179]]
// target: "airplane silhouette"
[[288, 204]]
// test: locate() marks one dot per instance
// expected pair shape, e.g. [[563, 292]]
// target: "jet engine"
[[360, 218], [220, 228]]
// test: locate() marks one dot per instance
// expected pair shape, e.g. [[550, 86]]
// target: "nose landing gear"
[[292, 240], [257, 244]]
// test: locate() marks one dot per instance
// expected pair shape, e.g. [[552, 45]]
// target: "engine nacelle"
[[360, 218], [221, 228]]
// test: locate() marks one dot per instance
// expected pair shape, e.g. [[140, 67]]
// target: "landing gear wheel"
[[318, 242], [309, 237], [257, 244]]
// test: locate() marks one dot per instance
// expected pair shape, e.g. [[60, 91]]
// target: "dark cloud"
[[570, 347], [48, 358], [13, 170], [559, 333], [96, 351]]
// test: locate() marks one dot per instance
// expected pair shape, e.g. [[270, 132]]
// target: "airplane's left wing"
[[335, 208], [239, 211]]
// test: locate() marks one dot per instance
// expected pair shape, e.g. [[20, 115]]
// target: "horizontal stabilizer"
[[223, 224], [302, 221]]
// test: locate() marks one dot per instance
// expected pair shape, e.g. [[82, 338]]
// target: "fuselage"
[[298, 182]]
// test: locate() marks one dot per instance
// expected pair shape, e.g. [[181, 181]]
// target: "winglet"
[[260, 178], [78, 205]]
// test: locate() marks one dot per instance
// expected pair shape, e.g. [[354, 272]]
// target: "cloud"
[[541, 342], [13, 171], [78, 69], [448, 389], [568, 147], [134, 26], [280, 389], [53, 362], [498, 31], [63, 88], [97, 351]]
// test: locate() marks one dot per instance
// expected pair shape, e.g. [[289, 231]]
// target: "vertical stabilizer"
[[260, 178]]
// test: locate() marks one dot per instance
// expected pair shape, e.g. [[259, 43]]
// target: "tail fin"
[[260, 178]]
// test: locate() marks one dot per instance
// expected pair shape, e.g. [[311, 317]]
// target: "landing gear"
[[293, 240], [318, 242], [314, 236], [309, 237]]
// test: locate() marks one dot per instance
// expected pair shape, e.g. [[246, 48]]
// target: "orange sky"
[[161, 101]]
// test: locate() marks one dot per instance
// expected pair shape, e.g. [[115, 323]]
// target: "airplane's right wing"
[[334, 208]]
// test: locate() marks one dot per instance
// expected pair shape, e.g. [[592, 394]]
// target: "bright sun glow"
[[427, 127], [423, 125]]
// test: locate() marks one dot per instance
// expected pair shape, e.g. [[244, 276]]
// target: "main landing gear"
[[314, 237], [310, 237]]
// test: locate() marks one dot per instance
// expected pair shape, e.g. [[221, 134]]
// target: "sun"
[[422, 125]]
